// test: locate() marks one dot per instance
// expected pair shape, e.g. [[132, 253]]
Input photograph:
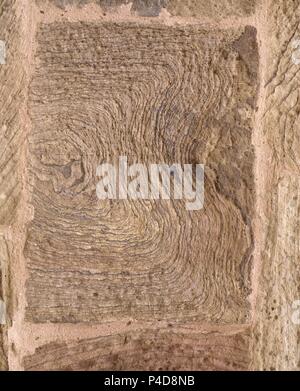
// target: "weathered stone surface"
[[154, 94], [3, 286], [3, 353], [141, 7], [148, 7], [11, 95], [146, 350], [199, 8], [276, 339], [212, 8]]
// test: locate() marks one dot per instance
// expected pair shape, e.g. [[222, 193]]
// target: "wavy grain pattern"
[[154, 94], [168, 350]]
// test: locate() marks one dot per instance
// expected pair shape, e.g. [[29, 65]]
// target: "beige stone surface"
[[146, 8], [276, 340], [187, 8], [4, 260], [167, 350], [3, 352], [11, 96], [151, 94], [147, 285], [211, 8]]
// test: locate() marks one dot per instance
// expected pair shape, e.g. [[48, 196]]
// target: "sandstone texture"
[[186, 8], [211, 8], [3, 296], [151, 94], [11, 96], [277, 337], [167, 350], [145, 284]]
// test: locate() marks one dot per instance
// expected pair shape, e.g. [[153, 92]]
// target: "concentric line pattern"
[[153, 350], [155, 94]]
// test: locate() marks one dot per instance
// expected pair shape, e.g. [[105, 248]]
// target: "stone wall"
[[89, 284]]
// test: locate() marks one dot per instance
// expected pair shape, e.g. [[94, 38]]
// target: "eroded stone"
[[187, 8], [168, 350], [153, 94], [11, 96], [211, 8], [3, 316], [276, 340]]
